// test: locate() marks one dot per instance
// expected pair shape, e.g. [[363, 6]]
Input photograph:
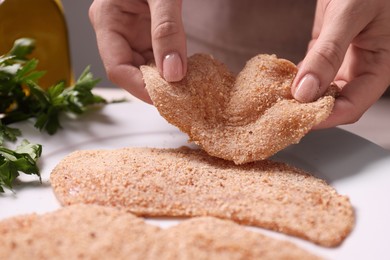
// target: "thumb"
[[168, 38], [325, 57]]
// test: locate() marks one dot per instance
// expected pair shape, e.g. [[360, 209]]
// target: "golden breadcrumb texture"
[[97, 232], [186, 182], [241, 119], [76, 232]]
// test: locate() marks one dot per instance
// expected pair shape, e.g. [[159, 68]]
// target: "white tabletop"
[[373, 126], [357, 168]]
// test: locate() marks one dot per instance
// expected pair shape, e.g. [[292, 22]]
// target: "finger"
[[118, 58], [130, 78], [168, 39], [355, 98], [327, 52]]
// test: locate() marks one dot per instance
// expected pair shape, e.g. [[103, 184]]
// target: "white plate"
[[354, 166]]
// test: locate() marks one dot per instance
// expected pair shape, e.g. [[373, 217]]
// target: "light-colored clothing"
[[233, 31]]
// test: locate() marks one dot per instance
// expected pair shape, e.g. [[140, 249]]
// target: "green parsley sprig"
[[22, 159], [21, 98]]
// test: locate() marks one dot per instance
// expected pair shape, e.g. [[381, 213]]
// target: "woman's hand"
[[351, 46], [131, 33]]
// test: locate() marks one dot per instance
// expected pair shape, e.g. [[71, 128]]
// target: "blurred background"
[[83, 46]]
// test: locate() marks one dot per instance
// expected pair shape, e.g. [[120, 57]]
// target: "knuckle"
[[330, 53], [353, 117], [91, 13], [111, 73], [165, 29]]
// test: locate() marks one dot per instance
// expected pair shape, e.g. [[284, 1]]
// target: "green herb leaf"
[[22, 98], [8, 133], [23, 159], [22, 47]]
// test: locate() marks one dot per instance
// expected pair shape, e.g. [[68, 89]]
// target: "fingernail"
[[172, 67], [307, 89]]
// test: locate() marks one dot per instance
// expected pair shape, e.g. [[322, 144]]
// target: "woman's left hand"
[[351, 46]]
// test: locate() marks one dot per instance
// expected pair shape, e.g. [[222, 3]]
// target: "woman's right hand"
[[131, 33]]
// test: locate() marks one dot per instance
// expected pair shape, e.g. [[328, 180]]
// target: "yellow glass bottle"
[[43, 21]]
